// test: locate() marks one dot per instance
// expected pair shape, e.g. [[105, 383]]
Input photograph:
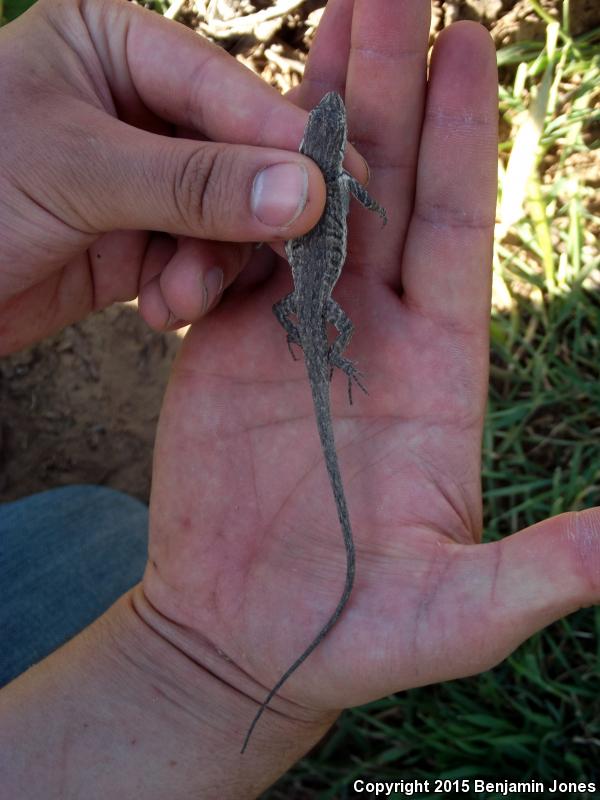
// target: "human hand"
[[89, 165], [245, 548]]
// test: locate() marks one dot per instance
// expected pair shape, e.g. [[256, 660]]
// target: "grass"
[[537, 715], [10, 9]]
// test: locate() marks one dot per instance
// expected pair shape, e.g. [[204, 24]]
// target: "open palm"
[[245, 548]]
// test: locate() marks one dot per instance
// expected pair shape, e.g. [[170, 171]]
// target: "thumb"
[[526, 581], [125, 178]]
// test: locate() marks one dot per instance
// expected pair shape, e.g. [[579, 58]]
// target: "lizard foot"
[[290, 342], [349, 368]]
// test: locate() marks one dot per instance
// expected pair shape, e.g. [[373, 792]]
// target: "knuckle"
[[200, 189]]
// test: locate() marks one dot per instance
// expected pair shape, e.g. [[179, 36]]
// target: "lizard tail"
[[320, 392]]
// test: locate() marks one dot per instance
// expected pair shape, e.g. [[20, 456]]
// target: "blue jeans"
[[65, 556]]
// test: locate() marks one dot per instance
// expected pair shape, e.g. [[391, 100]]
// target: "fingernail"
[[279, 194], [213, 286]]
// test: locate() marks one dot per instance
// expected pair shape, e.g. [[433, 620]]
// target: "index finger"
[[446, 271], [189, 81]]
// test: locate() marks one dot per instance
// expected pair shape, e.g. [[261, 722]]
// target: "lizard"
[[316, 260]]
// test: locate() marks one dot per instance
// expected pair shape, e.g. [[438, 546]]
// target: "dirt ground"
[[82, 407]]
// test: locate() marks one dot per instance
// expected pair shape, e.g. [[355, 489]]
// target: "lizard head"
[[325, 135]]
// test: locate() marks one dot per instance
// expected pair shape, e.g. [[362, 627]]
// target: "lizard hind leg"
[[363, 197], [343, 324], [349, 368], [282, 310]]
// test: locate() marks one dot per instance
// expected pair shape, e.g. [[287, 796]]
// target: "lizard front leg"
[[282, 310], [363, 197], [336, 315]]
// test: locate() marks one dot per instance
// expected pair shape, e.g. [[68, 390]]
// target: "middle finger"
[[385, 95]]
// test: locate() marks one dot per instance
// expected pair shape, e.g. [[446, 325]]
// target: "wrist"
[[127, 712], [200, 680]]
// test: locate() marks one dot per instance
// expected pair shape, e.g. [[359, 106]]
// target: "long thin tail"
[[320, 392]]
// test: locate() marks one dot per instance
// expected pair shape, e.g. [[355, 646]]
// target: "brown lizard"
[[316, 260]]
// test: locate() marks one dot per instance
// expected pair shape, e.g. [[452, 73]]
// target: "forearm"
[[121, 712]]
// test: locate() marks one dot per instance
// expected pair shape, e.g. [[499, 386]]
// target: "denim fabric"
[[65, 556]]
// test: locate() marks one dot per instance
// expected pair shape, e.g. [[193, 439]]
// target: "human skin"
[[90, 164], [245, 555]]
